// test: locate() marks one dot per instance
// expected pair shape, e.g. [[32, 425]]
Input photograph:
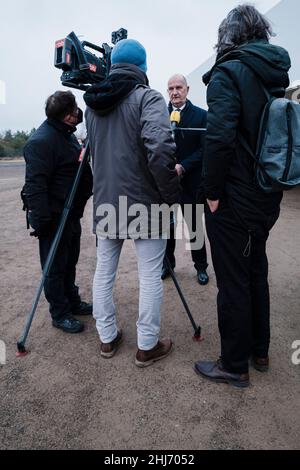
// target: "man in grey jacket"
[[134, 169]]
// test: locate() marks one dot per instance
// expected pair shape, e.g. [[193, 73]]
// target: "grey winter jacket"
[[133, 156]]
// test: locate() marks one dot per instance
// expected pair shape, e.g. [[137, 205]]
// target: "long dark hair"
[[242, 24]]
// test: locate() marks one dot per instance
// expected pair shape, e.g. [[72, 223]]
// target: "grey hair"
[[242, 24]]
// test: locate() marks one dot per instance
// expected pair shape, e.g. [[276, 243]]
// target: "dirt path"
[[64, 396]]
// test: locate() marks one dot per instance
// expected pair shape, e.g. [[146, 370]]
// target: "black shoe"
[[68, 324], [203, 278], [83, 309], [215, 372]]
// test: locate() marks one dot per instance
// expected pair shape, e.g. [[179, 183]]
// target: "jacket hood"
[[271, 63], [107, 95]]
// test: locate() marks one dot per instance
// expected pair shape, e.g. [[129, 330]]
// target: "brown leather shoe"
[[160, 351], [108, 350], [260, 363], [215, 372]]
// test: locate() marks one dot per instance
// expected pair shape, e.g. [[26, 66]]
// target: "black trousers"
[[199, 257], [60, 289], [243, 299]]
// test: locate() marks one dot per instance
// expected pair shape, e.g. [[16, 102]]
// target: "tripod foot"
[[21, 352], [198, 339], [197, 336]]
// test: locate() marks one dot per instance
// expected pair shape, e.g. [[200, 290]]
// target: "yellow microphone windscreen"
[[175, 117]]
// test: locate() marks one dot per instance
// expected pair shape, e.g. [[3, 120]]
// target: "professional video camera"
[[82, 68]]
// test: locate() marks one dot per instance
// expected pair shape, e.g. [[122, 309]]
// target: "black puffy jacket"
[[236, 100], [52, 161]]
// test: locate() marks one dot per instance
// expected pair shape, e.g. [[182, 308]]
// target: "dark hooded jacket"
[[131, 144], [52, 161], [236, 99]]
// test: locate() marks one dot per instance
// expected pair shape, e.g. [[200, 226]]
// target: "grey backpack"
[[277, 158]]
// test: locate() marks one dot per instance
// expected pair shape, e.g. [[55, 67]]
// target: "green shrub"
[[12, 144]]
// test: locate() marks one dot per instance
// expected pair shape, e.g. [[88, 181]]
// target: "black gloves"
[[44, 230]]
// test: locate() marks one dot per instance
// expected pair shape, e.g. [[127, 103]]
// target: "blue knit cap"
[[130, 51]]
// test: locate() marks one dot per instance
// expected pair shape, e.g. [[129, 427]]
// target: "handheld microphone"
[[175, 119]]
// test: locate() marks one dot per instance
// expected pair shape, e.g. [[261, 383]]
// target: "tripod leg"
[[197, 329]]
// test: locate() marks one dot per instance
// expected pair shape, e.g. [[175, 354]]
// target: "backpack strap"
[[264, 119], [262, 127], [246, 146], [266, 92]]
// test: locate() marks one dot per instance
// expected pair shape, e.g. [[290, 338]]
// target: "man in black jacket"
[[189, 152], [239, 215], [52, 161]]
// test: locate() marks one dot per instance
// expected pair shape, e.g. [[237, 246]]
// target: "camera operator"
[[52, 161], [133, 156], [189, 153]]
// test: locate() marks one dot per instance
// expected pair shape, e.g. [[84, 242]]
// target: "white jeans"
[[150, 254]]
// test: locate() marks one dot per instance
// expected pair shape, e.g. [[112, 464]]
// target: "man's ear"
[[188, 89]]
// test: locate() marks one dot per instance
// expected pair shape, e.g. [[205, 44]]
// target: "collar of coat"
[[104, 97], [61, 126]]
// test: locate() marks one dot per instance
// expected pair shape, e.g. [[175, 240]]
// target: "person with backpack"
[[239, 211]]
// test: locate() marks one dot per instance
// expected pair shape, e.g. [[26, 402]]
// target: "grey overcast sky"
[[178, 35]]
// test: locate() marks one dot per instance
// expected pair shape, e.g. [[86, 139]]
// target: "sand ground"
[[63, 395]]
